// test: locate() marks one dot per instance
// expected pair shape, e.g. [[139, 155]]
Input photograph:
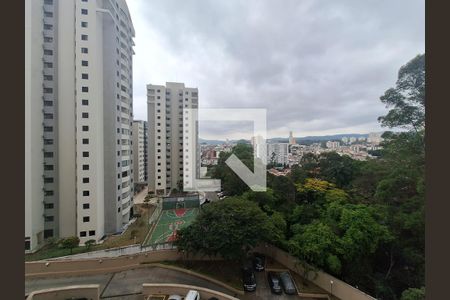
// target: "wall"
[[182, 290], [90, 291], [339, 288]]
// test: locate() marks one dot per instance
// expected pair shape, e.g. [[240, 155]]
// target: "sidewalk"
[[139, 198]]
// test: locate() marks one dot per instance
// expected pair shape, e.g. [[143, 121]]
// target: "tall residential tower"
[[78, 87], [169, 123]]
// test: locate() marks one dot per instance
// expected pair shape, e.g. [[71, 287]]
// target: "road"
[[126, 285]]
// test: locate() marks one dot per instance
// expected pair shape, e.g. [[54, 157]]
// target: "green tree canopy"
[[228, 228]]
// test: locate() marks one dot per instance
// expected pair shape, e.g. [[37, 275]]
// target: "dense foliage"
[[362, 221]]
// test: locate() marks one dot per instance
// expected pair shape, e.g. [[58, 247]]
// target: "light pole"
[[331, 287]]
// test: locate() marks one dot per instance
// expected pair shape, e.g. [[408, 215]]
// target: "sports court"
[[176, 213]]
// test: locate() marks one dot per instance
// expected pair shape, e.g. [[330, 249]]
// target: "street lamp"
[[331, 287]]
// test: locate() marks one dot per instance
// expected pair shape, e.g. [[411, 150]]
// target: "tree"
[[70, 242], [413, 294], [89, 243], [226, 228], [407, 99], [316, 243]]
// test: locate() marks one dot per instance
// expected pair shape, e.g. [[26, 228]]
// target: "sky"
[[319, 67]]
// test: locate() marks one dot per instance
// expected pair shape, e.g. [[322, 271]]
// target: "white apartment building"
[[78, 57], [278, 153], [139, 148], [332, 144], [375, 138], [169, 123]]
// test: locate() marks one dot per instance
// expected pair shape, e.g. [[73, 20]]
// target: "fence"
[[181, 202]]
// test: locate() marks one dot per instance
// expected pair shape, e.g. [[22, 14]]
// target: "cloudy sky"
[[317, 66]]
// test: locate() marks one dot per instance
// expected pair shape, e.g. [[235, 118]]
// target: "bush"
[[89, 244]]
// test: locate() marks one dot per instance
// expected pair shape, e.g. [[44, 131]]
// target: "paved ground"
[[139, 198], [126, 285], [170, 221]]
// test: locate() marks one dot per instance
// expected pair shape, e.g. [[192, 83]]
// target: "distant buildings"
[[332, 144], [139, 151], [78, 114], [375, 138], [278, 153], [291, 139], [169, 162]]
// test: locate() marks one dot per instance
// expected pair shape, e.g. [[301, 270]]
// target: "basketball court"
[[176, 213]]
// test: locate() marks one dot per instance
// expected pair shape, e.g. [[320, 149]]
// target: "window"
[[86, 219], [85, 205], [48, 39], [85, 128], [85, 141], [48, 90], [91, 232], [48, 180], [86, 180], [48, 26], [85, 154], [84, 76], [48, 14], [85, 193], [48, 193], [48, 205], [84, 63], [85, 167], [48, 167], [84, 11], [84, 50], [48, 2], [48, 52], [48, 233], [85, 115], [82, 233], [49, 218], [48, 116], [84, 102], [84, 37], [48, 77], [48, 154], [84, 24]]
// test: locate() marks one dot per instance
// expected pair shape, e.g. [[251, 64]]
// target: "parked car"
[[274, 283], [287, 283], [259, 262], [175, 297], [249, 279], [192, 295]]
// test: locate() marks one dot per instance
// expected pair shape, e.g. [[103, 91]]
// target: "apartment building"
[[170, 127], [78, 87], [278, 153], [139, 151]]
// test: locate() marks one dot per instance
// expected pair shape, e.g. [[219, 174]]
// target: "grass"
[[224, 271], [140, 228]]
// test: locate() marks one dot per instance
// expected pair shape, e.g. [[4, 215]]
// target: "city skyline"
[[345, 53]]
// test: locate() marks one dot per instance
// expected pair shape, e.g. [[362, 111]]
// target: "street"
[[123, 285]]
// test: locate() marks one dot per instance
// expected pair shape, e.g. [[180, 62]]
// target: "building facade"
[[78, 118], [139, 148], [278, 153], [169, 123]]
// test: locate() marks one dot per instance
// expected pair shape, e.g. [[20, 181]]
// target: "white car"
[[192, 295]]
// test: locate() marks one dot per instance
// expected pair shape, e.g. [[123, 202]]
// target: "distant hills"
[[285, 140]]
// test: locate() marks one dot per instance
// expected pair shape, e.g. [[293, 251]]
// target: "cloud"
[[318, 67]]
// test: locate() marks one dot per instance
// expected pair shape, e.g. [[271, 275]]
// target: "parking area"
[[263, 290]]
